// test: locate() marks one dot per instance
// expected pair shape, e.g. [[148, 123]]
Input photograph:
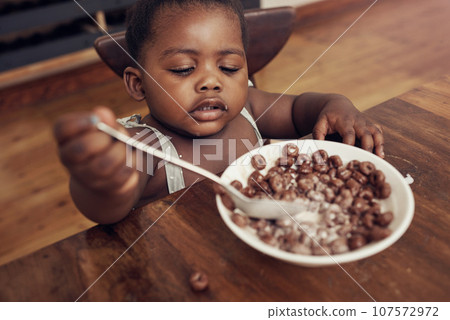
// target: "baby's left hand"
[[339, 115]]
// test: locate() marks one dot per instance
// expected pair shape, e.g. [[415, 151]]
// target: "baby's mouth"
[[209, 110]]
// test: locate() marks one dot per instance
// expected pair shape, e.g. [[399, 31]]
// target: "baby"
[[194, 80]]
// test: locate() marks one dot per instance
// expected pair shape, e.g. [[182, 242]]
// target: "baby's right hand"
[[92, 157]]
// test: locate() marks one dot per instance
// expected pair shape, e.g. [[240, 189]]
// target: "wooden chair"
[[268, 30]]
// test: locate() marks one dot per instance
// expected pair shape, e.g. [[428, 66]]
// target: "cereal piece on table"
[[198, 281]]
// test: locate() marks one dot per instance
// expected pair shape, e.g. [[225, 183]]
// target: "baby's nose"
[[209, 82]]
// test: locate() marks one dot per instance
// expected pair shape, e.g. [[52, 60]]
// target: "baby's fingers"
[[79, 150], [378, 139], [106, 171], [108, 163], [72, 125], [320, 130], [365, 138], [346, 130], [107, 116], [371, 138]]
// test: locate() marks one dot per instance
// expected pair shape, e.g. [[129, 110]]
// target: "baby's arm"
[[103, 188], [318, 113]]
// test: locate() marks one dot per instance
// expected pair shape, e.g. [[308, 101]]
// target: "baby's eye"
[[229, 69], [182, 71]]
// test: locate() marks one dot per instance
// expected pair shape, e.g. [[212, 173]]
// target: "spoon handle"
[[156, 152]]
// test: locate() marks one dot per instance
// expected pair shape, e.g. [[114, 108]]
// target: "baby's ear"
[[132, 77]]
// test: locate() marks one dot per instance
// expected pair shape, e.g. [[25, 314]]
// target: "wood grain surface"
[[150, 255], [392, 49]]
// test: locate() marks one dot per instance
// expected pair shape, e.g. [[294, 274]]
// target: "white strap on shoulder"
[[174, 174]]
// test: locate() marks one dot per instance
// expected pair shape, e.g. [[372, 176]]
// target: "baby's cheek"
[[240, 99]]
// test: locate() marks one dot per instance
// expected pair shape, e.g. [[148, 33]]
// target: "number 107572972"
[[405, 311]]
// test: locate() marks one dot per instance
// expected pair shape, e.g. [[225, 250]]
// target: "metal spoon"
[[256, 208]]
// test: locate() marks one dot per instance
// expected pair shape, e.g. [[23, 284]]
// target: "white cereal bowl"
[[400, 202]]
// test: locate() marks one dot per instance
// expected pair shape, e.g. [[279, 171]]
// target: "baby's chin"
[[194, 129], [205, 132], [202, 129]]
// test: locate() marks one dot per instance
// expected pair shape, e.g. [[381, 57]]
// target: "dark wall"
[[36, 30]]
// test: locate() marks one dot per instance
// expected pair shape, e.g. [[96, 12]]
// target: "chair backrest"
[[268, 30]]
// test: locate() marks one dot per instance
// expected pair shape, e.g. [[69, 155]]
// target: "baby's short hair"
[[140, 17]]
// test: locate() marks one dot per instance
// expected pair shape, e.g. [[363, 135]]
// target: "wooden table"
[[191, 236]]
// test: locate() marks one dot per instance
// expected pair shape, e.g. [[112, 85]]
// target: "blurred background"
[[48, 67], [36, 30]]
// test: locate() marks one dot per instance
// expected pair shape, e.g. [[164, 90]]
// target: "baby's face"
[[198, 58]]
